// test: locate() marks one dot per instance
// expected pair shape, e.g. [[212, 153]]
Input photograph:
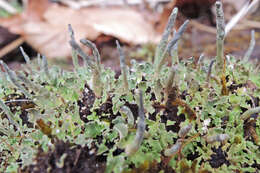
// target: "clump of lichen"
[[194, 116]]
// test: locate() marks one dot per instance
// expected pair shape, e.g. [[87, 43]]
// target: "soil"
[[218, 158], [78, 159]]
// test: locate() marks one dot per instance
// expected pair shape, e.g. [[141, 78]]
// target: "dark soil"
[[78, 159], [218, 158]]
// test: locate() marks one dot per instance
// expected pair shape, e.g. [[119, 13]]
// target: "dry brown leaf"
[[46, 31]]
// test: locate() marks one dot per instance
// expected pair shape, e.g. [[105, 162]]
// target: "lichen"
[[189, 117]]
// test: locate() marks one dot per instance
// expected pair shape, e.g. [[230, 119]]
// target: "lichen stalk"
[[174, 149], [130, 117], [28, 83], [14, 79], [220, 37], [184, 130], [170, 45], [97, 83], [169, 82], [9, 114], [210, 69], [174, 52], [45, 66], [249, 112], [135, 145], [96, 68], [201, 58], [123, 66], [217, 138], [75, 47], [163, 43], [95, 51], [25, 56]]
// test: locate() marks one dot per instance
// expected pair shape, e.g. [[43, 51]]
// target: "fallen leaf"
[[46, 29]]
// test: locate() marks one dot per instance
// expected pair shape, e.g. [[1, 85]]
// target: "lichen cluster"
[[192, 116]]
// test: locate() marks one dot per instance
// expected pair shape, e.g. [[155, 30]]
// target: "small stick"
[[11, 46], [18, 100], [203, 27], [10, 9], [250, 48], [246, 8]]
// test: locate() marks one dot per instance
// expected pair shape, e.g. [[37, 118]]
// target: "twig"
[[11, 46], [10, 9], [203, 27], [81, 4], [250, 48], [251, 24], [18, 100], [246, 8]]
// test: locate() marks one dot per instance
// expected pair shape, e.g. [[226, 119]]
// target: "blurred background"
[[41, 26]]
